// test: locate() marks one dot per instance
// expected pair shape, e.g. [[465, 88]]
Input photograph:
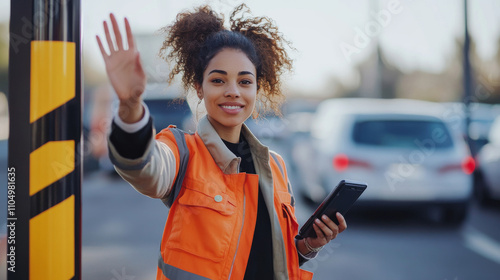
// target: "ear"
[[199, 90]]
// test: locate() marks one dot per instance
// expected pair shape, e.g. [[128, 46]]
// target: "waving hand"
[[124, 70]]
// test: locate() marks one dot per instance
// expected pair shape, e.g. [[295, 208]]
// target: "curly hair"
[[196, 37]]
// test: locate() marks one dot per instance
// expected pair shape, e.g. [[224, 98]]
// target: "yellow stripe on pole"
[[52, 76], [50, 163], [52, 242]]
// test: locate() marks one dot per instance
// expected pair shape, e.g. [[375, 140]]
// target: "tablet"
[[340, 199]]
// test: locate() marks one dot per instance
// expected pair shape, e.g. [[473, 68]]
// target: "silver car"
[[488, 173], [403, 149]]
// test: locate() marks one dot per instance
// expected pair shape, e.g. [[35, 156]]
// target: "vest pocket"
[[288, 213], [291, 231], [203, 221], [305, 275]]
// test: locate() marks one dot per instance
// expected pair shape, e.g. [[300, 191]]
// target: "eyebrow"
[[225, 73]]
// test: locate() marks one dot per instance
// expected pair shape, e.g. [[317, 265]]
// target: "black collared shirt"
[[260, 261]]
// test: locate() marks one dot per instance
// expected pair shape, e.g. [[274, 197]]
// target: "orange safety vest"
[[210, 226]]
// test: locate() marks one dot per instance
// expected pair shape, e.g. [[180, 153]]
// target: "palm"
[[126, 75], [123, 66]]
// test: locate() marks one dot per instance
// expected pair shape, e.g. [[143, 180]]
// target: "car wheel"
[[454, 215], [481, 193]]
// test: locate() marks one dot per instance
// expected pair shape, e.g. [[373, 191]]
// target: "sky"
[[330, 36]]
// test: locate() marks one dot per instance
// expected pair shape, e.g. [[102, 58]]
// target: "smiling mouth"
[[231, 107]]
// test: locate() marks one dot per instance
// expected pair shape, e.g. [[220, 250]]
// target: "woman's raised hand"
[[124, 70]]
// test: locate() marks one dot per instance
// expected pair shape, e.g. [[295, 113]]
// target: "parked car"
[[487, 187], [168, 108], [481, 117], [403, 150], [166, 105]]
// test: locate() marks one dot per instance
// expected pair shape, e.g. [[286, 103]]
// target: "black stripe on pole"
[[55, 20], [74, 27], [21, 34], [59, 124], [52, 195]]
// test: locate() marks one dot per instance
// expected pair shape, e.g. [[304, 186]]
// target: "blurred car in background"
[[269, 128], [299, 155], [166, 105], [487, 187], [481, 117], [402, 149]]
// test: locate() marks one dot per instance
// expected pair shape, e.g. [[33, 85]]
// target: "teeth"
[[231, 107]]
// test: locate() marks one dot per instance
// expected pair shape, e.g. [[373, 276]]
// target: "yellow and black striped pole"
[[44, 171]]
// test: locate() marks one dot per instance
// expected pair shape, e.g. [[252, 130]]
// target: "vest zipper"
[[241, 230]]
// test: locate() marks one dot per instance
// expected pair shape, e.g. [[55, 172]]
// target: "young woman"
[[231, 206]]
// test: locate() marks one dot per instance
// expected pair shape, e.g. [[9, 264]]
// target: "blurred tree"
[[4, 56], [494, 77], [388, 74], [487, 78], [485, 72], [445, 86]]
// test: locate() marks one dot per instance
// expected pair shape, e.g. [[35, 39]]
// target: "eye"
[[246, 82], [217, 81]]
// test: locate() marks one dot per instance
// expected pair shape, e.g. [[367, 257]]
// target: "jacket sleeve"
[[152, 165]]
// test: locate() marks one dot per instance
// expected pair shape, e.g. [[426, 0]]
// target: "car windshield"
[[402, 133]]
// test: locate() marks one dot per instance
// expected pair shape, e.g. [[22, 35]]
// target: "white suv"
[[403, 149]]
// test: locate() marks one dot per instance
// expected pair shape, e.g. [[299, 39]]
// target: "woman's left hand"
[[326, 230]]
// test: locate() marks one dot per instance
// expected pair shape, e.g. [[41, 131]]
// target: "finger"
[[116, 30], [130, 37], [108, 38], [319, 233], [327, 233], [101, 47], [331, 224], [342, 223]]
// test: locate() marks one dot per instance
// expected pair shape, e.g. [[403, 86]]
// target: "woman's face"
[[229, 88]]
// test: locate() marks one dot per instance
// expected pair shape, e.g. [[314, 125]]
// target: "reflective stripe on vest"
[[184, 159], [174, 273], [292, 202]]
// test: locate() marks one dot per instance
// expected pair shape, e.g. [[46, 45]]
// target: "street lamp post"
[[467, 77]]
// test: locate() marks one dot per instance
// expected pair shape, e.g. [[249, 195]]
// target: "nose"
[[232, 90]]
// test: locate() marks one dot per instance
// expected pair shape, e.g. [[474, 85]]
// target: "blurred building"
[[157, 70]]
